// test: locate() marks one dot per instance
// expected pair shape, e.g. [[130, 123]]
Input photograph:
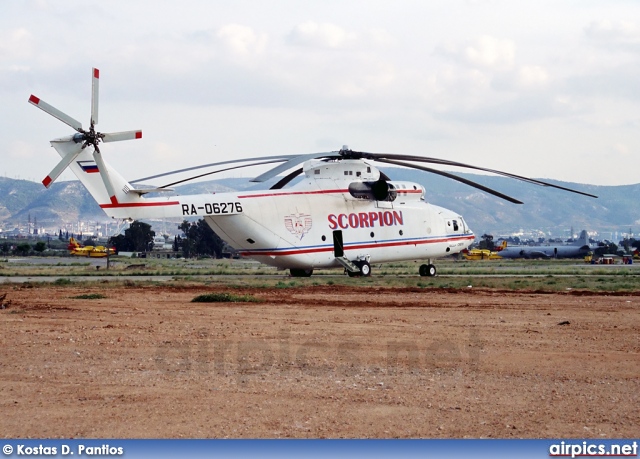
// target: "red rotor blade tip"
[[96, 73], [34, 100], [47, 181], [139, 135]]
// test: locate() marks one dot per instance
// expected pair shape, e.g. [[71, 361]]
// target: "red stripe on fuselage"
[[139, 204]]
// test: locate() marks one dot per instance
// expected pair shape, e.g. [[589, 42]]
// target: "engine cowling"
[[380, 190]]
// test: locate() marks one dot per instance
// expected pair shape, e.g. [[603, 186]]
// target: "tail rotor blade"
[[124, 135], [61, 166], [104, 174], [95, 89], [51, 110]]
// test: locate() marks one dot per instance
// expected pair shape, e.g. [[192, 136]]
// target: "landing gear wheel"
[[300, 272], [427, 270], [365, 268]]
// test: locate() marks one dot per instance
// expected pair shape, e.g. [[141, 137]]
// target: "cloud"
[[241, 40], [22, 150], [324, 35], [15, 44], [532, 76], [617, 32], [621, 149], [485, 51], [490, 52]]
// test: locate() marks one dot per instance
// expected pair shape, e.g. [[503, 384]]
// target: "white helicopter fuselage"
[[344, 211], [299, 227]]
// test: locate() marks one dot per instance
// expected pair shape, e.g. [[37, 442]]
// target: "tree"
[[137, 238], [141, 236], [5, 248], [23, 249], [121, 243], [607, 248], [200, 240], [40, 247]]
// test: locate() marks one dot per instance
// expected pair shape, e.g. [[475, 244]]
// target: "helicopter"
[[341, 211]]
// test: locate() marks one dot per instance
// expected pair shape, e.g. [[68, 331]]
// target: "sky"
[[543, 89]]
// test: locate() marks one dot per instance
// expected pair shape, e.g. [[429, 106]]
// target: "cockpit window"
[[455, 225]]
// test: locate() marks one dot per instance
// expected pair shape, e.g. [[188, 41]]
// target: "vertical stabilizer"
[[583, 239], [88, 172]]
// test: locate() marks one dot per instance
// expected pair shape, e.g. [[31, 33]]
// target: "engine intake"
[[379, 190]]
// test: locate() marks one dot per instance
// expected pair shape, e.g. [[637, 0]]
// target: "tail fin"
[[80, 153], [502, 246], [87, 171], [583, 239]]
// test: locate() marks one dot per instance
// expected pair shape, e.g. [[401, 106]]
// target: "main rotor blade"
[[95, 83], [215, 172], [287, 179], [51, 110], [61, 166], [452, 176], [445, 162], [118, 136], [187, 169], [294, 161]]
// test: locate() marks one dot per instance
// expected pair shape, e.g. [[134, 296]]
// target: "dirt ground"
[[318, 361]]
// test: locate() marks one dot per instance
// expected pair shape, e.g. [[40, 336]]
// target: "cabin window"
[[368, 169], [346, 172], [455, 225], [358, 174], [317, 172]]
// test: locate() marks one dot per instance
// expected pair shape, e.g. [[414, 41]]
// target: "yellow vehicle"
[[89, 250], [484, 254], [481, 254]]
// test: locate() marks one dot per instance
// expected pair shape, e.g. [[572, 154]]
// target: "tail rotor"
[[84, 138]]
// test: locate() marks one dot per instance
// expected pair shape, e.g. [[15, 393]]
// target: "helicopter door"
[[338, 245]]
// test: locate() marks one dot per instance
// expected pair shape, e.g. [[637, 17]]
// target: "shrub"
[[89, 296], [224, 298]]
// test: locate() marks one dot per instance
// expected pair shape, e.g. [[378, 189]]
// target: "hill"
[[545, 209]]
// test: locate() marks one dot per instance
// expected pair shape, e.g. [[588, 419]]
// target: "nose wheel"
[[427, 270]]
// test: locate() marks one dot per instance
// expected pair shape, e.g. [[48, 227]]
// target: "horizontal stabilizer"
[[142, 191]]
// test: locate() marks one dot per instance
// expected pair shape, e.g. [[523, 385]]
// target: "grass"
[[529, 275], [89, 296], [62, 281], [224, 297]]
